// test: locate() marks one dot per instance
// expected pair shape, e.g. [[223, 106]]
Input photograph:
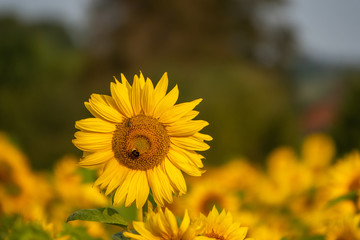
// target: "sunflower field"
[[179, 120], [141, 177]]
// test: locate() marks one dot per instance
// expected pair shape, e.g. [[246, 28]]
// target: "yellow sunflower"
[[221, 226], [163, 225], [345, 176], [204, 194], [345, 229], [318, 151], [142, 140]]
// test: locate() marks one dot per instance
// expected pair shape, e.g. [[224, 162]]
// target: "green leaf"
[[352, 196], [103, 215], [119, 236]]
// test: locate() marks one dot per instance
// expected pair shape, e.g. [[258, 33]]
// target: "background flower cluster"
[[306, 194]]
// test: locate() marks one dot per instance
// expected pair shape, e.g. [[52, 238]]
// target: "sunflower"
[[345, 176], [206, 193], [318, 151], [142, 141], [163, 225], [221, 226], [346, 229]]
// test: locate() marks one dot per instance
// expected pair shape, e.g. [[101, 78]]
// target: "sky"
[[325, 29]]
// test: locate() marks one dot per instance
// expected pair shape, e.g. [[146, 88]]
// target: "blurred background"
[[270, 71]]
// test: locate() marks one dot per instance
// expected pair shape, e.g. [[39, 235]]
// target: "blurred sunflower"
[[206, 193], [221, 226], [345, 176], [231, 175], [20, 189], [286, 178], [318, 151], [345, 229], [163, 225], [143, 140]]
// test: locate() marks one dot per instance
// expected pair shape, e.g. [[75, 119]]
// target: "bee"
[[135, 153], [128, 123]]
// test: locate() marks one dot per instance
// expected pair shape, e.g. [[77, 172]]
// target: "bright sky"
[[327, 29]]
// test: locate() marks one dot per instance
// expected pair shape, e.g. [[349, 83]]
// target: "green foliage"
[[88, 175], [103, 215], [346, 128], [314, 237], [76, 233], [39, 66], [14, 228]]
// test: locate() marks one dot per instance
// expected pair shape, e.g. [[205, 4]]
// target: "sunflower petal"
[[193, 156], [185, 129], [189, 116], [123, 190], [142, 190], [172, 222], [185, 223], [179, 110], [95, 125], [160, 89], [141, 229], [167, 102], [155, 188], [120, 93], [91, 142], [148, 98], [136, 96], [165, 185], [125, 82], [133, 188], [189, 143], [106, 176], [117, 179], [183, 163], [175, 176], [99, 108], [204, 137], [96, 158], [134, 236]]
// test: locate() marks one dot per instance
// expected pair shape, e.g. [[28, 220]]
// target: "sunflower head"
[[142, 140], [221, 227], [345, 175], [163, 225]]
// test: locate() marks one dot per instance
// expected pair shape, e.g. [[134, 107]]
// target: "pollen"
[[140, 142]]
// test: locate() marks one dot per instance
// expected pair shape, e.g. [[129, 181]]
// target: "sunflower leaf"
[[103, 215], [352, 196]]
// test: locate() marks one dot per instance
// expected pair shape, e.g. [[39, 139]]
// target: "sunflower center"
[[140, 142], [211, 200], [214, 235]]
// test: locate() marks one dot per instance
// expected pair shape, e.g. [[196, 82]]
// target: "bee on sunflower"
[[142, 140]]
